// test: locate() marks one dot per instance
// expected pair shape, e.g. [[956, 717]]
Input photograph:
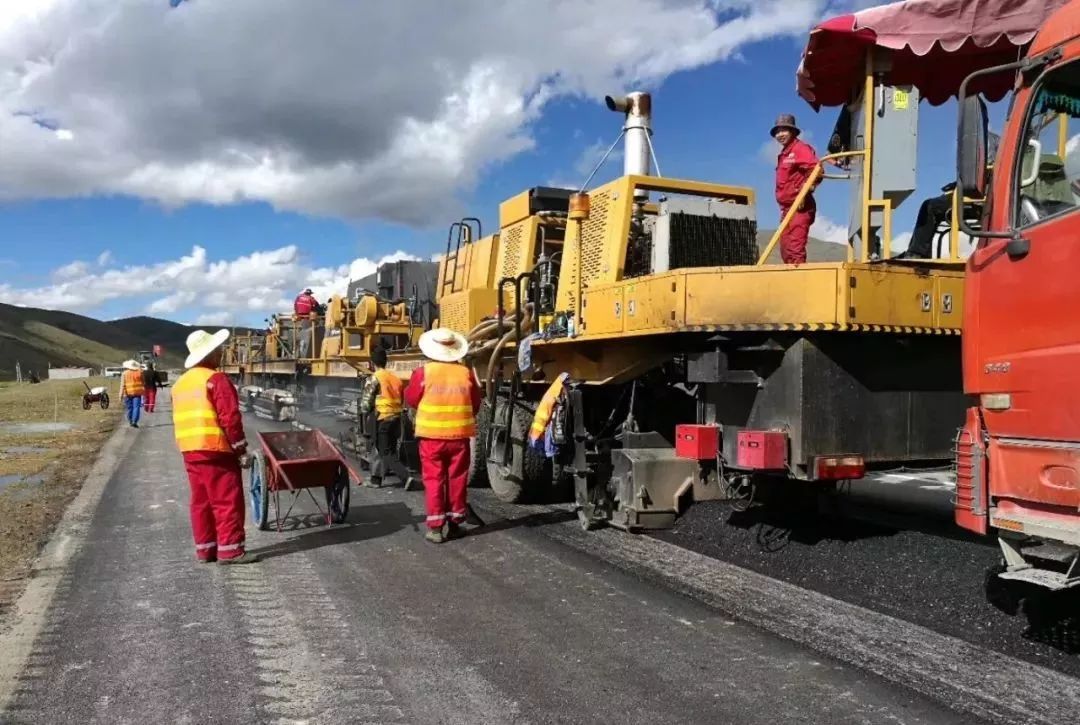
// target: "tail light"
[[839, 468]]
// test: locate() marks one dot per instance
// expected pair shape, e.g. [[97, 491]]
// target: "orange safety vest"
[[445, 411], [194, 418], [546, 408], [132, 383], [388, 401]]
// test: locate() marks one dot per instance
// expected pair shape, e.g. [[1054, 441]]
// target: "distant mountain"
[[817, 250], [38, 338]]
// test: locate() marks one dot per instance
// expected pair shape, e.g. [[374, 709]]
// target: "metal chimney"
[[637, 128]]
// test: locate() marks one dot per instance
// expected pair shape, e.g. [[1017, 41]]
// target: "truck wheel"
[[478, 473], [527, 475]]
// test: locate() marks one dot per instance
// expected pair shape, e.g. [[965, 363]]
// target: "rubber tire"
[[523, 480], [478, 470], [345, 496], [104, 401], [86, 403]]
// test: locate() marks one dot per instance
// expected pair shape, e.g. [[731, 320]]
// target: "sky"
[[204, 160]]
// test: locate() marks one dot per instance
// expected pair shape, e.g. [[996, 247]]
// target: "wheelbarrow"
[[97, 395], [295, 462]]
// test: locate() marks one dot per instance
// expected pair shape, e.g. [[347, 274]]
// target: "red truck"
[[1018, 454]]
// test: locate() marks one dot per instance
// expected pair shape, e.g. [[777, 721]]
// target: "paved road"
[[366, 622]]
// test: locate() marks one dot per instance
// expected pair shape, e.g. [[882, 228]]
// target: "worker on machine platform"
[[210, 436], [383, 393], [305, 306], [446, 396], [131, 391], [794, 164]]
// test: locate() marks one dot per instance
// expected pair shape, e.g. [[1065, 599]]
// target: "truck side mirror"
[[971, 147]]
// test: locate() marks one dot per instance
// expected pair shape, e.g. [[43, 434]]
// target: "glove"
[[246, 459]]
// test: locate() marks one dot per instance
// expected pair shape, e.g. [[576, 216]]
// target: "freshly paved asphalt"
[[366, 622]]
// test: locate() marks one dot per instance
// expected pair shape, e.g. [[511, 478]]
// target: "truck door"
[[1028, 323]]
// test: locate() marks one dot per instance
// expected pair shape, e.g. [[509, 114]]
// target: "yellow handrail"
[[808, 185]]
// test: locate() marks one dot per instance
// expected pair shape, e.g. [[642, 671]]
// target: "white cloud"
[[214, 319], [175, 105], [104, 258], [248, 287], [827, 230], [590, 156]]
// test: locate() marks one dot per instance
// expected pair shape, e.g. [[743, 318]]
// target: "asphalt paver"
[[367, 622]]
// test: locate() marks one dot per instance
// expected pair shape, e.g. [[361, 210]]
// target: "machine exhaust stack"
[[637, 129]]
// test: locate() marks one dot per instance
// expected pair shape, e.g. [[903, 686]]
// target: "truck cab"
[[1018, 454]]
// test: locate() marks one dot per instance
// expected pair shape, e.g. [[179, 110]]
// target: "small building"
[[69, 373]]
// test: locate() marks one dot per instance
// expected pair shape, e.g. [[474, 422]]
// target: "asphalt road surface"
[[528, 619]]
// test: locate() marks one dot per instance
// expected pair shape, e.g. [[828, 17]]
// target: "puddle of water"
[[14, 478], [35, 427], [23, 450]]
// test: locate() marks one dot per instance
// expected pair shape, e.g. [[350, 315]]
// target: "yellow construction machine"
[[696, 369]]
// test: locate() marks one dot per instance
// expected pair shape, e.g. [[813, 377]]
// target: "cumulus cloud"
[[248, 287], [354, 110], [827, 230]]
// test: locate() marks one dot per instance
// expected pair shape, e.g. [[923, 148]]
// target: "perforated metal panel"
[[511, 241], [594, 233], [454, 312]]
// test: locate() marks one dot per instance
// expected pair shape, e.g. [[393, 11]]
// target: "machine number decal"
[[618, 308], [946, 303], [926, 300], [630, 307], [900, 100]]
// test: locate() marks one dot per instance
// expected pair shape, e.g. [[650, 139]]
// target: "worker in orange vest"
[[446, 396], [383, 394], [131, 391], [210, 435]]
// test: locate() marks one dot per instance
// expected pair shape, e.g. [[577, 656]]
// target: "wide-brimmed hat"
[[201, 343], [443, 345], [785, 120], [131, 365]]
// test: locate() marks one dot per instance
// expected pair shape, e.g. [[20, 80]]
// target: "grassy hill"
[[40, 338], [817, 250]]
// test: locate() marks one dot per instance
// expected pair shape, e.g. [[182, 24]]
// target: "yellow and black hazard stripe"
[[821, 327]]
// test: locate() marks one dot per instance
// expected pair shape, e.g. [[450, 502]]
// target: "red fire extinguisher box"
[[761, 450], [699, 442]]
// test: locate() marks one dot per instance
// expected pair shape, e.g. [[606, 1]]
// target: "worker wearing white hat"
[[210, 435], [131, 391], [446, 396]]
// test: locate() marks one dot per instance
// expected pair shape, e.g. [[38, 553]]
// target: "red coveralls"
[[444, 464], [217, 487], [304, 304], [793, 167]]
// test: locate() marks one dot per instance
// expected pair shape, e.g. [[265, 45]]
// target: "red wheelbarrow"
[[293, 462]]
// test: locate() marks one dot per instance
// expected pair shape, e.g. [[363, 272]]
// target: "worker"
[[304, 307], [131, 391], [446, 396], [539, 431], [209, 432], [383, 394], [794, 164], [150, 386]]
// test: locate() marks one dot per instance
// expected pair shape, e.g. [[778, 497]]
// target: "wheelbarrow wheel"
[[337, 497], [104, 401], [260, 496], [85, 403]]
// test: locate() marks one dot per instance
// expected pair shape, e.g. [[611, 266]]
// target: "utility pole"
[[18, 372]]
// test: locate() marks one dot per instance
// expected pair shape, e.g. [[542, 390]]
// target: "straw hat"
[[131, 365], [201, 343], [443, 345]]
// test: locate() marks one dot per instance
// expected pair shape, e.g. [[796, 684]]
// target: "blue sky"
[[711, 122]]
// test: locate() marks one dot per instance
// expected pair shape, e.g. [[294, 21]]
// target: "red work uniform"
[[446, 397], [304, 305], [210, 436], [793, 167]]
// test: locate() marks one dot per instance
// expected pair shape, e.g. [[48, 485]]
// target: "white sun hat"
[[201, 343], [443, 345], [131, 365]]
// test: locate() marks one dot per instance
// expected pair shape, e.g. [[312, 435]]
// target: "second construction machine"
[[693, 369]]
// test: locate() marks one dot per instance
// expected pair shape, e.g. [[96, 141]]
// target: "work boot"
[[246, 558], [435, 536], [411, 484], [454, 530], [375, 482]]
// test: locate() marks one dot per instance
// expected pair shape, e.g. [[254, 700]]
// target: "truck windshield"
[[1049, 181]]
